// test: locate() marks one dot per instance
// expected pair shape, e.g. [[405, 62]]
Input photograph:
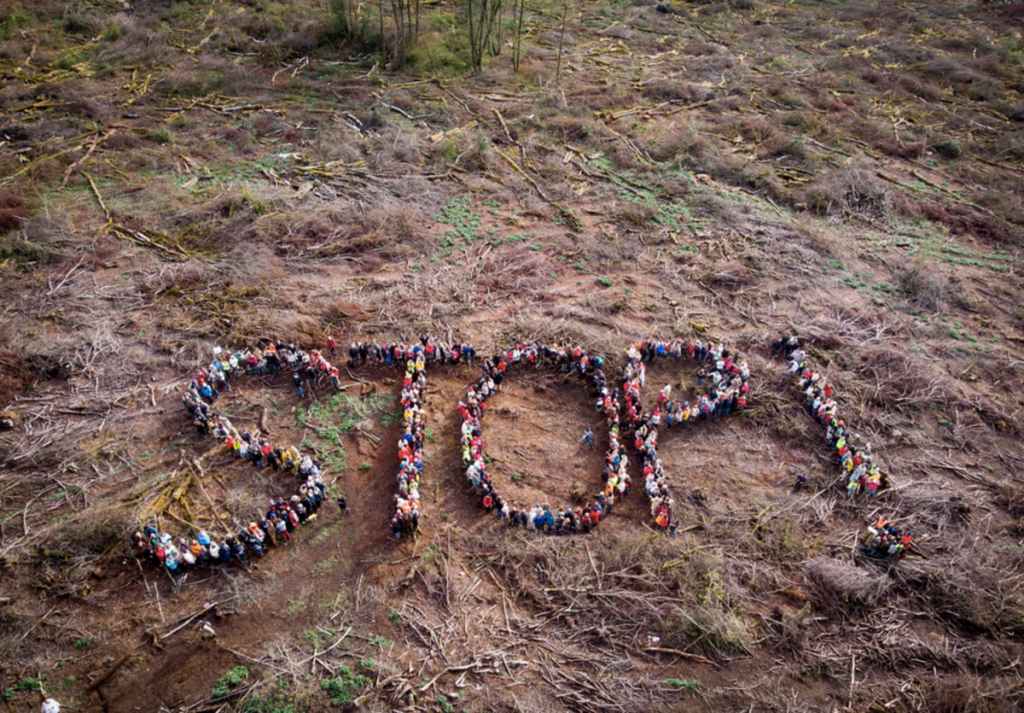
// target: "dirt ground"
[[180, 176]]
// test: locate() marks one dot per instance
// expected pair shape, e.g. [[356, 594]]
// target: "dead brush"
[[731, 277], [340, 312], [910, 151], [666, 89], [13, 212], [843, 326], [394, 148], [961, 693], [690, 600], [132, 44], [641, 215], [667, 141], [13, 375], [286, 325], [1011, 499], [333, 144], [966, 219], [395, 228], [843, 586], [902, 382], [70, 552], [949, 70], [925, 506], [822, 238], [520, 271], [570, 128], [312, 236], [73, 352], [837, 191], [973, 589], [48, 237], [920, 287], [891, 638]]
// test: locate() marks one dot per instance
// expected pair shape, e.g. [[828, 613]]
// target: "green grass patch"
[[330, 419], [270, 703], [296, 604], [324, 567], [344, 687], [684, 684], [463, 221], [230, 680]]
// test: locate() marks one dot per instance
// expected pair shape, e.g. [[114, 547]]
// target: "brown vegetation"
[[184, 175]]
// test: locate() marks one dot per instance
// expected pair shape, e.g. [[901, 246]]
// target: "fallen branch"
[[109, 672], [451, 669], [683, 654], [188, 619], [92, 147], [99, 198], [567, 214]]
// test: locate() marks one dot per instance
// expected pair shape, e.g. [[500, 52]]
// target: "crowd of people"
[[727, 391], [307, 369], [361, 353], [727, 377], [271, 530], [565, 520], [860, 473], [406, 517], [886, 541]]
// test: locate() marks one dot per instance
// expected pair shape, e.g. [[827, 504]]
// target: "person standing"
[[588, 437]]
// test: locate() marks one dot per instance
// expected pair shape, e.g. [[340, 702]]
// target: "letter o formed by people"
[[566, 520]]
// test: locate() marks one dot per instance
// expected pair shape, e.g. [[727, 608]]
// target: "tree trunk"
[[561, 39], [517, 40], [472, 34], [383, 44]]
